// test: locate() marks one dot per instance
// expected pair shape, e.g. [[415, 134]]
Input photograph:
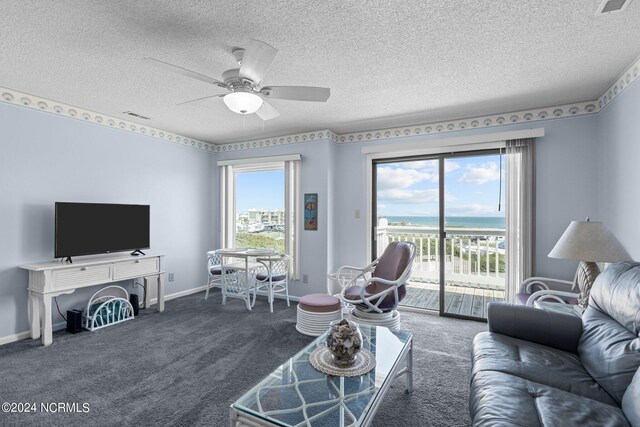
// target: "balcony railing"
[[473, 256]]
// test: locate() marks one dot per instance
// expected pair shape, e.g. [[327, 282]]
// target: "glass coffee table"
[[296, 394]]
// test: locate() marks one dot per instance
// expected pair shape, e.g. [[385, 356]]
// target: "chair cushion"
[[522, 298], [535, 362], [499, 399], [393, 261], [609, 347], [216, 271], [264, 277], [388, 303], [319, 303]]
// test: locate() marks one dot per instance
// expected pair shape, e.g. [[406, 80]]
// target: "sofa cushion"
[[535, 362], [609, 347], [499, 399], [631, 401]]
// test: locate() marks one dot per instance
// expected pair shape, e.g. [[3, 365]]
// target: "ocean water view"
[[450, 221]]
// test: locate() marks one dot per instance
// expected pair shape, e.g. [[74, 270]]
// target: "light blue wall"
[[619, 167], [316, 177], [565, 182], [566, 163], [585, 166], [46, 158]]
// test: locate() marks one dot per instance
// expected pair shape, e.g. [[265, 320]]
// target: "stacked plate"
[[314, 323]]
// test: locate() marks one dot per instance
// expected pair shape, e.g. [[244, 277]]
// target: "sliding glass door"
[[450, 206], [407, 208]]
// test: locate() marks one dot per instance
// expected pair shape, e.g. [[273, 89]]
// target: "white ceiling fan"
[[246, 96]]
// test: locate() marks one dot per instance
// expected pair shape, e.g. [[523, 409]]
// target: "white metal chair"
[[376, 289], [214, 271], [274, 279], [546, 289]]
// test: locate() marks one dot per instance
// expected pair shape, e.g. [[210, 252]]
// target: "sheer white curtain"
[[227, 206], [520, 199], [292, 215]]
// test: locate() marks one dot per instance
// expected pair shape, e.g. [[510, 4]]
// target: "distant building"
[[258, 220]]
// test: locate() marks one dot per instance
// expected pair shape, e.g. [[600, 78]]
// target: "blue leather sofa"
[[539, 368]]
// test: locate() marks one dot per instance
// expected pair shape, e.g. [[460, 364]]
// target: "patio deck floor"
[[459, 299]]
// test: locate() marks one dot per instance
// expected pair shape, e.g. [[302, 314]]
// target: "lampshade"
[[243, 102], [589, 241]]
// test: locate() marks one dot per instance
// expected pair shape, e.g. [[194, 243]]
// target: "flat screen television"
[[97, 228]]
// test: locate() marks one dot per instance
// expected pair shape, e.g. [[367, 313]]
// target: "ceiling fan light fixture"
[[243, 102]]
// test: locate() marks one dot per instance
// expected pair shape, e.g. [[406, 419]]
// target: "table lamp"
[[588, 242]]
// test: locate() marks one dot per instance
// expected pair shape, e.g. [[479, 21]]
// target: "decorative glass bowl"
[[344, 341]]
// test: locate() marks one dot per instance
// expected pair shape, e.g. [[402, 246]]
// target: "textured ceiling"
[[387, 63]]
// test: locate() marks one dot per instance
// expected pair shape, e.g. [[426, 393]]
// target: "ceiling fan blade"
[[267, 112], [200, 99], [256, 60], [179, 70], [297, 93]]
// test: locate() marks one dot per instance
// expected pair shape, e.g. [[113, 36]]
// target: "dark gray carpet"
[[187, 365]]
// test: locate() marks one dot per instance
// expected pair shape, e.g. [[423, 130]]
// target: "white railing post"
[[497, 257], [486, 259], [469, 256]]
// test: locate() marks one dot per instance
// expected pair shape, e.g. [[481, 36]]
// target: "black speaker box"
[[133, 299], [74, 321]]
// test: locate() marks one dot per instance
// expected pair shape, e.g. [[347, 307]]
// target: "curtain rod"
[[268, 159]]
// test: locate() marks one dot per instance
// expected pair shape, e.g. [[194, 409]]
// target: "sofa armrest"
[[557, 330]]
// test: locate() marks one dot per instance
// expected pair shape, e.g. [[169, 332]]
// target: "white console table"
[[48, 280]]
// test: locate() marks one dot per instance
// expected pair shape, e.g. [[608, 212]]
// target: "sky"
[[404, 188], [411, 188], [260, 190]]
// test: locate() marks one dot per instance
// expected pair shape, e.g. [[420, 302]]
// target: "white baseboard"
[[204, 288], [14, 337], [62, 325], [291, 297], [24, 335], [181, 294]]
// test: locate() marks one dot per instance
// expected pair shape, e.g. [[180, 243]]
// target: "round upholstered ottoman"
[[316, 312]]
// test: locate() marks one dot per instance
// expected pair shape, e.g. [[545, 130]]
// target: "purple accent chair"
[[380, 286]]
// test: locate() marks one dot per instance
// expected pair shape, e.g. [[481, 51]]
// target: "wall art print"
[[311, 211]]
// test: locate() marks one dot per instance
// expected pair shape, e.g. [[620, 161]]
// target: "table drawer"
[[136, 268], [81, 275]]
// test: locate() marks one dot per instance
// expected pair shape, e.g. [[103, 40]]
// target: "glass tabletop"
[[247, 252], [296, 394]]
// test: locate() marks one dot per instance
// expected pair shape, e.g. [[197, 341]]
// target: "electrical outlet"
[[172, 277], [357, 214], [305, 278]]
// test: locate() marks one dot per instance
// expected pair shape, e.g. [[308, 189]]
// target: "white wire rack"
[[107, 307]]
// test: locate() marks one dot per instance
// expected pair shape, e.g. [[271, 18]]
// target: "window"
[[259, 212], [259, 201]]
